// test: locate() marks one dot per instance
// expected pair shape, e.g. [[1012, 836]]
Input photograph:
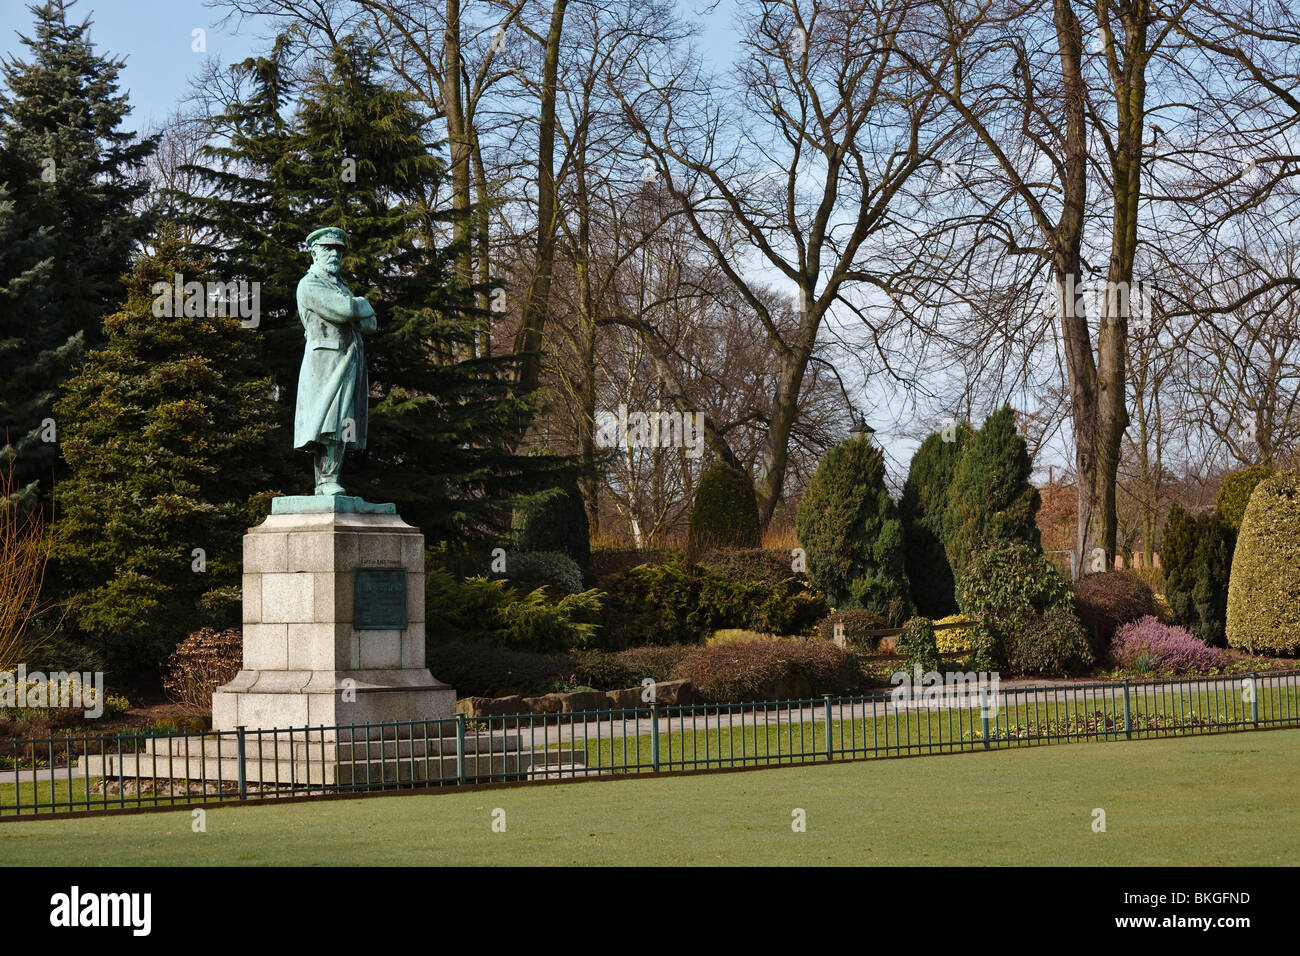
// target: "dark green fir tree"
[[166, 438], [922, 507], [850, 529], [991, 499], [444, 420], [247, 218], [68, 168]]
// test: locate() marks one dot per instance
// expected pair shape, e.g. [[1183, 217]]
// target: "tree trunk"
[[483, 246], [529, 338], [458, 140], [1128, 76]]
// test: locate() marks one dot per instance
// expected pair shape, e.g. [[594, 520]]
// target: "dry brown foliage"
[[200, 664], [24, 552]]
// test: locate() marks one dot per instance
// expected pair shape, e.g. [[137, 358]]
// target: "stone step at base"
[[306, 772], [287, 771], [281, 748], [563, 771]]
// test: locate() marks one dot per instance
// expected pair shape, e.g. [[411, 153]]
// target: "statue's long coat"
[[332, 384]]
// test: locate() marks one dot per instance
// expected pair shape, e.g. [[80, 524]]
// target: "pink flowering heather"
[[1151, 645]]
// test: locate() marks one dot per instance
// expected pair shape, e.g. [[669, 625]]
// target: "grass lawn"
[[740, 740], [1211, 800]]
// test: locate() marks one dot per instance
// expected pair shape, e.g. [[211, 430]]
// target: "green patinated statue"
[[332, 386]]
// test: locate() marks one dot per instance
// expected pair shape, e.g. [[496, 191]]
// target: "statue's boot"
[[328, 462]]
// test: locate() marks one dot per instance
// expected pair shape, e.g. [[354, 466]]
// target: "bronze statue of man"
[[330, 415]]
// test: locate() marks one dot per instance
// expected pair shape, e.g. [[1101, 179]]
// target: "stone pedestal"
[[312, 656]]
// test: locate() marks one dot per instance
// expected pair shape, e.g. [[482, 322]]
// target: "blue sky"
[[156, 39], [153, 36]]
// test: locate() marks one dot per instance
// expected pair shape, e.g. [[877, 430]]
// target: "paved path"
[[548, 732]]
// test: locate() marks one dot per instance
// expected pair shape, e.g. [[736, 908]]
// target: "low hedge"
[[657, 663], [681, 602], [721, 673], [607, 561], [768, 670], [478, 669], [765, 565]]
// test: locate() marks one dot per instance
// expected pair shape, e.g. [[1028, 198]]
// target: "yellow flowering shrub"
[[954, 640]]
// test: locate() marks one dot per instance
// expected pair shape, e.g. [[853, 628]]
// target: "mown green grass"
[[736, 740], [1202, 801], [65, 793]]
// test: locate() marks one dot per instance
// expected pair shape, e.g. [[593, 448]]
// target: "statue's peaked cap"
[[330, 235]]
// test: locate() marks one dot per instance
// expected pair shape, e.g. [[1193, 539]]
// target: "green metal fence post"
[[460, 748], [830, 740], [984, 718], [654, 736], [1128, 717], [239, 752], [1254, 700]]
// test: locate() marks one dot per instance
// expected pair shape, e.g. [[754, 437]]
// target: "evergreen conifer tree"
[[248, 220], [165, 436], [850, 529], [1196, 553], [990, 499], [66, 164], [357, 154], [921, 508]]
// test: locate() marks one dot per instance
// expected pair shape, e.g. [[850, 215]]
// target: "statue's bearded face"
[[328, 257]]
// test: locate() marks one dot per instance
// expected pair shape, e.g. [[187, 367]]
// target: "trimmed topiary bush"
[[921, 509], [917, 644], [1050, 643], [554, 521], [850, 529], [1148, 645], [1263, 613], [768, 670], [1196, 555], [1105, 601], [725, 513], [858, 622], [1003, 588], [1234, 494], [990, 499], [529, 570]]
